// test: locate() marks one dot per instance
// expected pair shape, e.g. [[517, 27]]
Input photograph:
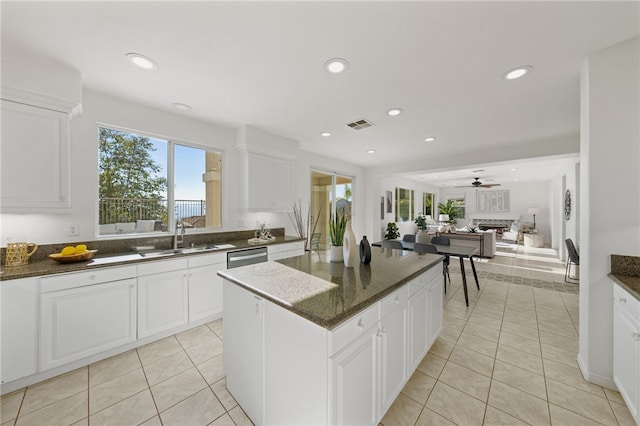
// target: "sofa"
[[484, 241], [516, 232]]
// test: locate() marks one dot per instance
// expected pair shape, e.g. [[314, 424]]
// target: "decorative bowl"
[[71, 258]]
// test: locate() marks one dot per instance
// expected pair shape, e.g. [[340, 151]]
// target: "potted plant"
[[421, 222], [392, 231], [337, 226]]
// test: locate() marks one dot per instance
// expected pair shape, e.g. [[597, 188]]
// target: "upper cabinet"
[[266, 172], [35, 159], [39, 97]]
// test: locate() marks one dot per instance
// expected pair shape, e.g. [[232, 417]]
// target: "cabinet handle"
[[397, 299], [360, 325], [623, 300], [384, 330], [379, 334], [635, 335], [92, 277]]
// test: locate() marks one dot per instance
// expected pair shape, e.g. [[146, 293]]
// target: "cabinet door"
[[162, 302], [354, 382], [626, 353], [260, 182], [418, 319], [393, 356], [19, 328], [35, 159], [282, 184], [435, 296], [205, 291], [243, 338], [83, 321]]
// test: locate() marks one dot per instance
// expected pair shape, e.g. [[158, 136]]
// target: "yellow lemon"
[[80, 248], [68, 251]]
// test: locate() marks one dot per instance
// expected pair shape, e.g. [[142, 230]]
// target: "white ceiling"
[[261, 63]]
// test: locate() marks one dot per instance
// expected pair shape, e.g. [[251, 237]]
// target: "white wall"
[[567, 178], [110, 111], [609, 181], [521, 197]]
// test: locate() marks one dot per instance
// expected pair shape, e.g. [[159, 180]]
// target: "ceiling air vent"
[[359, 124]]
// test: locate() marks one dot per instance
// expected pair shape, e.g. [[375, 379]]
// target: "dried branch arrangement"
[[304, 223]]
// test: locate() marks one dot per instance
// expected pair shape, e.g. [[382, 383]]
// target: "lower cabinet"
[[205, 286], [163, 296], [76, 322], [19, 328], [626, 349], [354, 378], [243, 334], [392, 339]]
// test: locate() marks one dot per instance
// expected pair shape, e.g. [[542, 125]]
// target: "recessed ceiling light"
[[430, 139], [517, 72], [142, 61], [371, 151], [513, 169], [394, 111], [336, 65], [325, 134], [181, 107]]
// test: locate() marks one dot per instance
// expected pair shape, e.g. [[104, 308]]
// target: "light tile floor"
[[509, 359]]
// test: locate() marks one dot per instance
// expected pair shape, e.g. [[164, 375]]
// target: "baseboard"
[[596, 379]]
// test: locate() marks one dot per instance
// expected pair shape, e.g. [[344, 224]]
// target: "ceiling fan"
[[477, 184]]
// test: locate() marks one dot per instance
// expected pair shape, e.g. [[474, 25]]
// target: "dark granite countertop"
[[327, 293], [625, 271], [50, 267]]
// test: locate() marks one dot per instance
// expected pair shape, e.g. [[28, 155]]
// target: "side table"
[[533, 240]]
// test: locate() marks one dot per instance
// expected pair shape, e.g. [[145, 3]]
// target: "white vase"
[[335, 254], [350, 247], [422, 237]]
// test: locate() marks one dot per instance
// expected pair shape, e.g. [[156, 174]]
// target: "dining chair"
[[315, 242], [444, 241], [573, 258], [392, 244], [421, 248]]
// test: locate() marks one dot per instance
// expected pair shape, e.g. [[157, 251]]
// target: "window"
[[148, 184], [428, 206], [459, 206], [404, 205]]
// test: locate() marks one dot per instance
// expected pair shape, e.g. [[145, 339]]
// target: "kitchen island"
[[311, 342]]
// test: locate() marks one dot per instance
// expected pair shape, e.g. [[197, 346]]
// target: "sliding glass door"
[[330, 193]]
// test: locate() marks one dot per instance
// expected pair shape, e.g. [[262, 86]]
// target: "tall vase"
[[349, 247], [423, 237], [365, 251]]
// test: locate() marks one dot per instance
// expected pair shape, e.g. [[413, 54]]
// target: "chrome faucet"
[[178, 239]]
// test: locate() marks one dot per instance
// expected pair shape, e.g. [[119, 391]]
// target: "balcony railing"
[[114, 210]]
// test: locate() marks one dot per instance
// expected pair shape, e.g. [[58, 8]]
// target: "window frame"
[[411, 198], [171, 225]]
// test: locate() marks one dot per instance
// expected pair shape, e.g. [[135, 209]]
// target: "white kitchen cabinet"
[[269, 182], [435, 305], [205, 286], [285, 250], [163, 296], [354, 378], [86, 313], [243, 335], [19, 328], [392, 340], [418, 318], [626, 348], [35, 159]]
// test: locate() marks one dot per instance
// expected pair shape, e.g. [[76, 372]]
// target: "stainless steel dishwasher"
[[245, 257]]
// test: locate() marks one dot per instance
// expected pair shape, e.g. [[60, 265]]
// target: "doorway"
[[331, 193]]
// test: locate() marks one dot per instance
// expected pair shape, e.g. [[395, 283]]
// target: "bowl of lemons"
[[71, 254]]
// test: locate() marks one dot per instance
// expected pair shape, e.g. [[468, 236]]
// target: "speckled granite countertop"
[[327, 293], [50, 267], [625, 271]]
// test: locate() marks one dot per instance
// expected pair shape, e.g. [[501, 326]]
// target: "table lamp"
[[534, 211]]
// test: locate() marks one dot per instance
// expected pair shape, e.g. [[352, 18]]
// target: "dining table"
[[461, 252]]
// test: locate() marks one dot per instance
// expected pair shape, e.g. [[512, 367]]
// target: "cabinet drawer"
[[278, 248], [348, 331], [393, 301], [80, 279], [207, 259], [162, 266], [627, 302]]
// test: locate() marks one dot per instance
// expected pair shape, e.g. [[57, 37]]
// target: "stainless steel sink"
[[159, 253]]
